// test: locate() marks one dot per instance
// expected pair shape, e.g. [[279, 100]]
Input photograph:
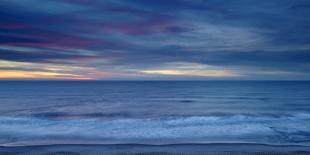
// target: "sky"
[[155, 39]]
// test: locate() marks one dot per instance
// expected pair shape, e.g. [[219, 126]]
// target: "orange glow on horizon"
[[16, 74]]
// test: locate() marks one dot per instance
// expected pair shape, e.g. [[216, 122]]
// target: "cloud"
[[203, 73], [14, 74], [20, 70], [192, 69], [138, 38]]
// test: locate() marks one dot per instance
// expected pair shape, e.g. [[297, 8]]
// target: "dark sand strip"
[[175, 149]]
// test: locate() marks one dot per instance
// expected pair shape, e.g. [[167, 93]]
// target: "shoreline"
[[184, 149]]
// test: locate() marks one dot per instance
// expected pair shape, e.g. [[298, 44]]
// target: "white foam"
[[264, 129]]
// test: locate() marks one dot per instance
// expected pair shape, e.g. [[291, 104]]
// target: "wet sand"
[[175, 149]]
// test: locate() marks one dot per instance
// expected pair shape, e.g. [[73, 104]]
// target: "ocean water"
[[154, 112]]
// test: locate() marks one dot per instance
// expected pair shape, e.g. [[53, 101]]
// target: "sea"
[[154, 112]]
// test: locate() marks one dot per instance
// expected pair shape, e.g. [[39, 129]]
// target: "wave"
[[234, 128]]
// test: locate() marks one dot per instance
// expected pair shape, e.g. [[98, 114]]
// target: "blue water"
[[102, 112]]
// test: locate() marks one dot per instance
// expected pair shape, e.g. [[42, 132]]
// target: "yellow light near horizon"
[[164, 72], [16, 74], [203, 73]]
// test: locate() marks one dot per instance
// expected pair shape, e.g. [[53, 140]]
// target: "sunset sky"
[[155, 39]]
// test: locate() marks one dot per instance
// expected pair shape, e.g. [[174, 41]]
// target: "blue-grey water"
[[170, 112]]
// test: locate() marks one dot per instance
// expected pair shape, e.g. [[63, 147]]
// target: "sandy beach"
[[175, 149]]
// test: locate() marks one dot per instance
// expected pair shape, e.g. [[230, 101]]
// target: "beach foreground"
[[175, 149]]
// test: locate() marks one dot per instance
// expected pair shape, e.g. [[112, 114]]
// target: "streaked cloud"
[[141, 39], [15, 74], [193, 69], [19, 70], [205, 73]]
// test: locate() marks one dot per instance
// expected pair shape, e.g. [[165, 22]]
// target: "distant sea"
[[154, 112]]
